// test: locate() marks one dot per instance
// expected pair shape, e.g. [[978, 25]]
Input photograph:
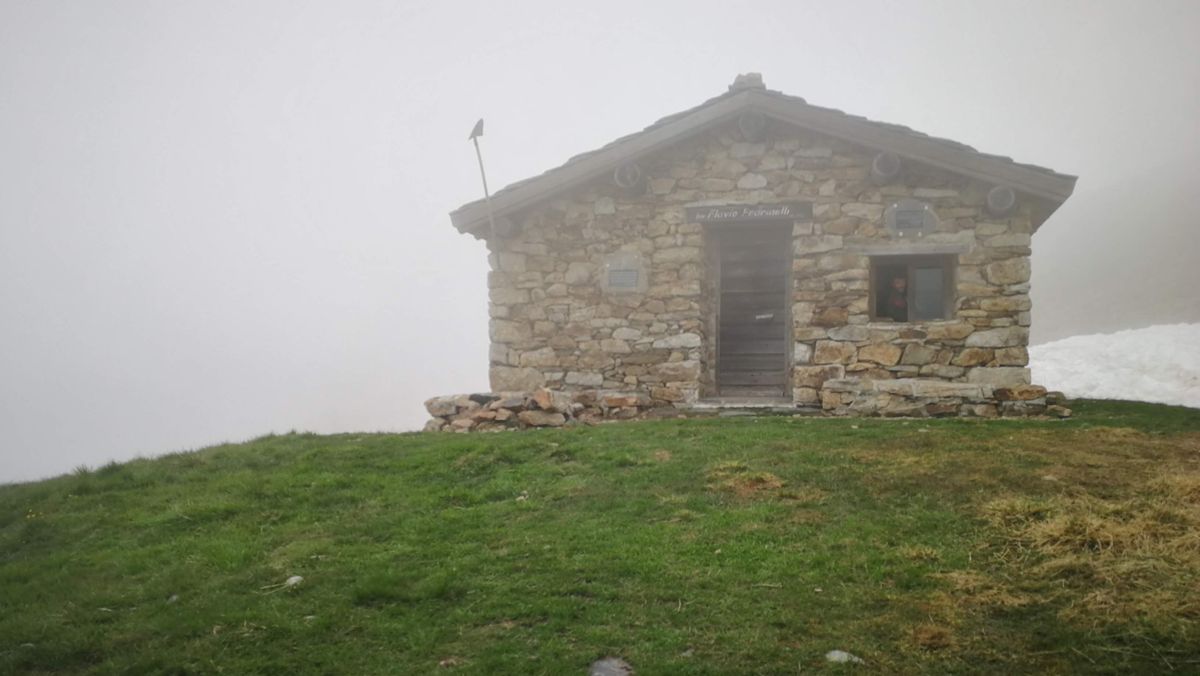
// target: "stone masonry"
[[498, 411], [555, 325], [552, 325]]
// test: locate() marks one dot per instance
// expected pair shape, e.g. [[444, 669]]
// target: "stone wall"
[[499, 411], [552, 325]]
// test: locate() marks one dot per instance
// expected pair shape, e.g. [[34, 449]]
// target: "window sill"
[[886, 324]]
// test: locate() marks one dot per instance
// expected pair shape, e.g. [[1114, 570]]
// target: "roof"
[[748, 94]]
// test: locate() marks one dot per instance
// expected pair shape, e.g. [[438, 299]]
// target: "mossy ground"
[[718, 546]]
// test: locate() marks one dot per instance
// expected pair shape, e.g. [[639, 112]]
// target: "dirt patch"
[[932, 637]]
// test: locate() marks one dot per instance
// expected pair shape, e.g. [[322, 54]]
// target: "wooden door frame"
[[713, 237]]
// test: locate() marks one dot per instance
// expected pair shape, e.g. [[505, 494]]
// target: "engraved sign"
[[910, 216], [624, 272], [756, 213], [620, 278]]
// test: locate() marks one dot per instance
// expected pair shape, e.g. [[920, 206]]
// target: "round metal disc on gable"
[[1001, 200], [752, 125], [885, 168], [628, 176]]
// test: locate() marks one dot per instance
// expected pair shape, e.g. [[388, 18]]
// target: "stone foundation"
[[912, 397], [497, 411], [902, 397]]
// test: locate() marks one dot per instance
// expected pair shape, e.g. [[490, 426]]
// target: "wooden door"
[[753, 317]]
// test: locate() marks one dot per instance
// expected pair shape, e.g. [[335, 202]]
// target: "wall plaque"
[[909, 216], [624, 272], [624, 279], [751, 213]]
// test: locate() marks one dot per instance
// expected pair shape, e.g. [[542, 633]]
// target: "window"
[[912, 288]]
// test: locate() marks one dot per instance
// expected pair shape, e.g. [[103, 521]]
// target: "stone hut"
[[757, 249]]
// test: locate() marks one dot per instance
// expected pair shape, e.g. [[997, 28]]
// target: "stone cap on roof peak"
[[747, 81]]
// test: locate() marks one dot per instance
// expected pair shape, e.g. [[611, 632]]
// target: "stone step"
[[739, 406]]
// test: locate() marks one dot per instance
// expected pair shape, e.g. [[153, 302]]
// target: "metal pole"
[[487, 198]]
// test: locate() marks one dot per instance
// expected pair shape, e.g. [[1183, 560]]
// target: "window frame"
[[947, 262]]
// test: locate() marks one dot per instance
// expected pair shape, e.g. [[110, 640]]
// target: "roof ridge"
[[750, 87]]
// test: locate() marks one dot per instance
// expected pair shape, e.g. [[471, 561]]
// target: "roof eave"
[[1048, 186], [473, 216], [960, 160]]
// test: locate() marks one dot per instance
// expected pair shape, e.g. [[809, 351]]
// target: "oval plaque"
[[909, 216]]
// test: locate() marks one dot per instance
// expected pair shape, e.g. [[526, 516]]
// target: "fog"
[[223, 219]]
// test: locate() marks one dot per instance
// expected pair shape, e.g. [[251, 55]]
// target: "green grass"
[[714, 546]]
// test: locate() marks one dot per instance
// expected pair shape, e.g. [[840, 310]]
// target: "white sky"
[[220, 219]]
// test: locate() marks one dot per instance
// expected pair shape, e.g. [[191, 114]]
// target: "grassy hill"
[[718, 546]]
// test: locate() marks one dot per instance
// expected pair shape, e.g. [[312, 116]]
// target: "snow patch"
[[1158, 364]]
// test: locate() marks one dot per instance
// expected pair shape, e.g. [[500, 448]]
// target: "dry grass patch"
[[807, 517], [684, 515], [932, 637], [1120, 559], [805, 495], [921, 553], [971, 589], [900, 459], [736, 477], [753, 484]]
